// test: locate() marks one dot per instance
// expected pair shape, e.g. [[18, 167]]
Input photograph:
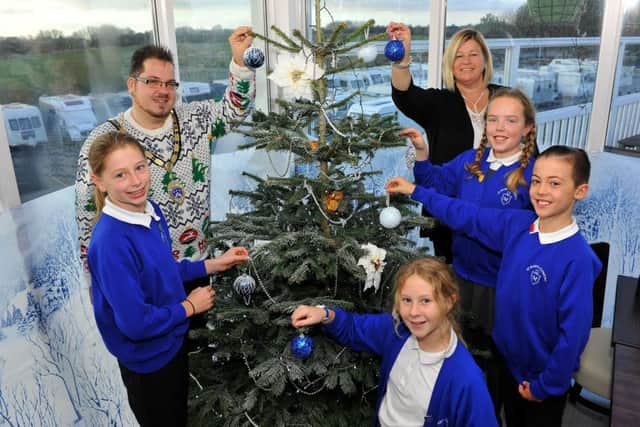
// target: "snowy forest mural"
[[54, 369]]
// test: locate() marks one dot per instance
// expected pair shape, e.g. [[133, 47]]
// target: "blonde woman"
[[453, 117]]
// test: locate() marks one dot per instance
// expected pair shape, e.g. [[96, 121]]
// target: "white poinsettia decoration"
[[373, 263], [294, 74]]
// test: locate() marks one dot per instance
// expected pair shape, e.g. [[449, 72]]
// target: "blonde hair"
[[100, 149], [516, 176], [457, 40], [442, 280]]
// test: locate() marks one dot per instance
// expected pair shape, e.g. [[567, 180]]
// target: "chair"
[[596, 362]]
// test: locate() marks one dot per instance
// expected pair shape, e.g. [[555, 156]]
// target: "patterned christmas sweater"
[[183, 190]]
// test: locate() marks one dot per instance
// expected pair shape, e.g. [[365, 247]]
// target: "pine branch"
[[303, 40], [336, 33], [292, 46], [275, 43], [349, 48], [358, 31]]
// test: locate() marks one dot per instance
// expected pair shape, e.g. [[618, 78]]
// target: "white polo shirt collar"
[[556, 236], [495, 163], [136, 218]]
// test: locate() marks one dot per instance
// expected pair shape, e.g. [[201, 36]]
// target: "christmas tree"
[[315, 237]]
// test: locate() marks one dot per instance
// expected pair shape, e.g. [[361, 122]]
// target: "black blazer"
[[443, 115]]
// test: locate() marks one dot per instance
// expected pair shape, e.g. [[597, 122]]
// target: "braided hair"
[[529, 149]]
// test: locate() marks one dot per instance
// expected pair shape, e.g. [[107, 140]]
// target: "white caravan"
[[539, 85], [383, 106], [67, 117], [576, 78], [195, 91], [108, 105], [23, 123]]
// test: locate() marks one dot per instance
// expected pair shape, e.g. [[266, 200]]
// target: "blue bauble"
[[394, 50], [302, 346], [253, 57]]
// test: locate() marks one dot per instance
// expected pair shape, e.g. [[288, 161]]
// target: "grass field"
[[24, 78]]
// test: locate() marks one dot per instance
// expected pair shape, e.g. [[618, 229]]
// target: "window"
[[550, 53], [53, 61], [373, 79], [202, 32], [624, 126], [25, 123]]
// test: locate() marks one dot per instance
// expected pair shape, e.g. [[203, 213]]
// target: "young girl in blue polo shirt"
[[139, 301], [427, 376], [544, 299]]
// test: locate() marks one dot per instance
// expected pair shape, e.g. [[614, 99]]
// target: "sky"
[[27, 17]]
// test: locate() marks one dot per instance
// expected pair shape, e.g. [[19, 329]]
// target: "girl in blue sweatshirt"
[[139, 301], [544, 288], [427, 376], [495, 175]]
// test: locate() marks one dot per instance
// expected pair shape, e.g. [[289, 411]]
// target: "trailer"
[[539, 85], [67, 117], [108, 105], [195, 91], [23, 124]]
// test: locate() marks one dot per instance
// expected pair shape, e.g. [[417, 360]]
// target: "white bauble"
[[368, 53], [390, 217]]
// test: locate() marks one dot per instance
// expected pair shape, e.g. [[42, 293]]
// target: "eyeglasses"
[[157, 84]]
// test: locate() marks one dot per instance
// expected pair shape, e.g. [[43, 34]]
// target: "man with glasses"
[[177, 140]]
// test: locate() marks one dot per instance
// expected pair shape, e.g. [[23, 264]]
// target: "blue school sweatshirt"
[[544, 302], [473, 260], [460, 396], [137, 289]]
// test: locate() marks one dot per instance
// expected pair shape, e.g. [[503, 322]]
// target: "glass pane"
[[59, 67], [624, 126], [202, 32], [547, 49], [373, 78]]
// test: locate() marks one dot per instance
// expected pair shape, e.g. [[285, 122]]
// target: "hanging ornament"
[[410, 157], [313, 145], [253, 57], [394, 50], [390, 217], [410, 154], [368, 53], [373, 263], [302, 346], [333, 200], [244, 285]]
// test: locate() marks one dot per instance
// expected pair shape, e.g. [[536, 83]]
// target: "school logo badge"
[[537, 274], [506, 196]]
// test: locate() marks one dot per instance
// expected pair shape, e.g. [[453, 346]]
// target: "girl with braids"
[[139, 300], [427, 375], [495, 175]]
